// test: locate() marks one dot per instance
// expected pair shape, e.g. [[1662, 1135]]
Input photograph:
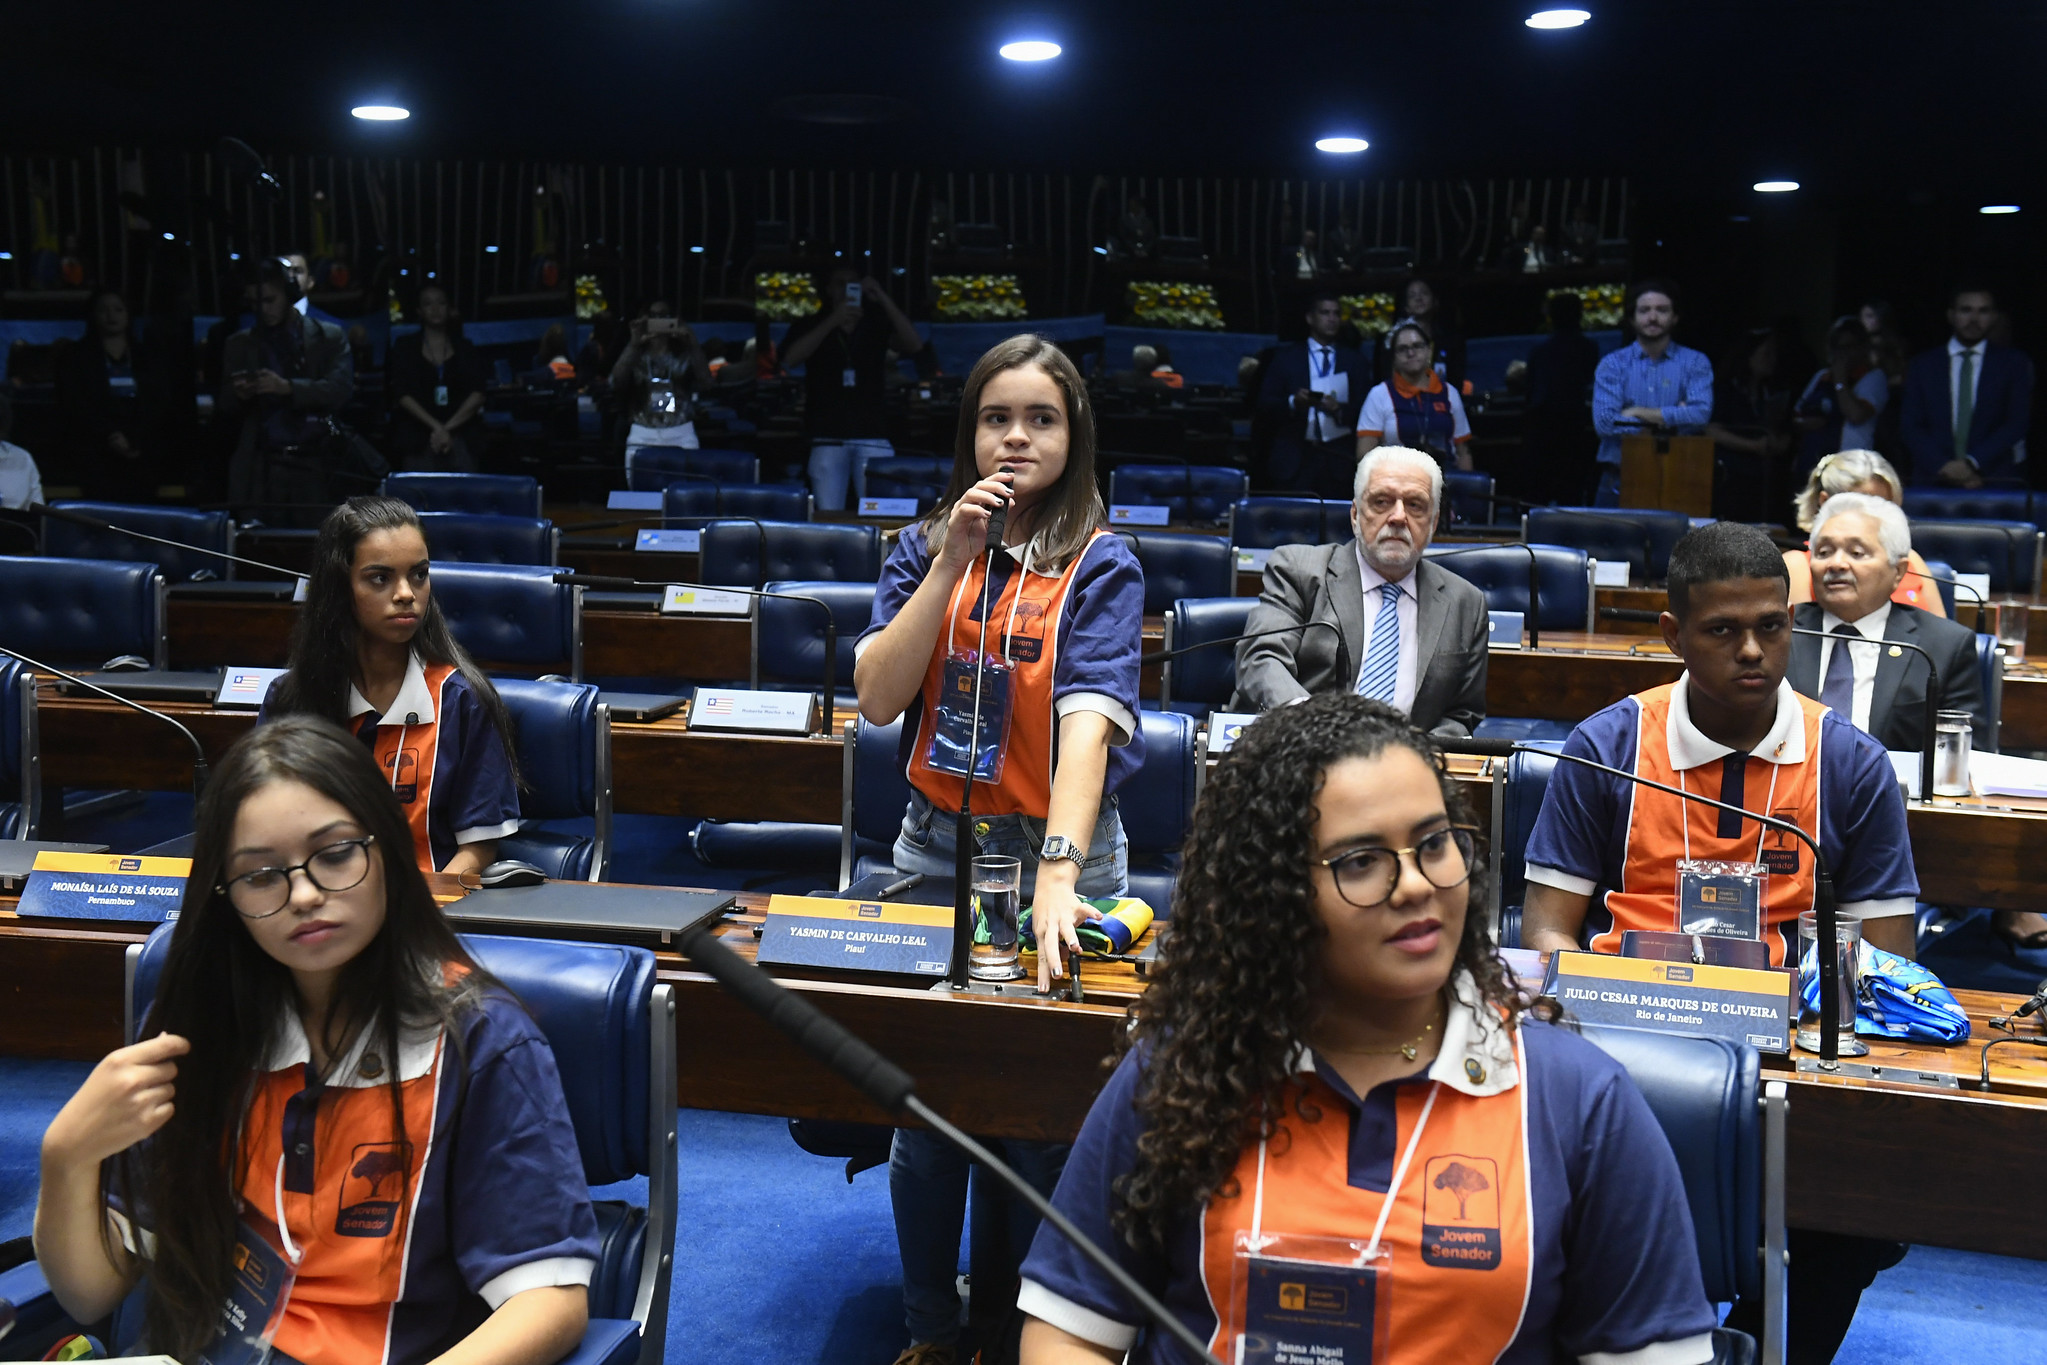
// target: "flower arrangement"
[[783, 295], [1371, 314], [978, 298], [590, 300], [1157, 303], [1602, 303]]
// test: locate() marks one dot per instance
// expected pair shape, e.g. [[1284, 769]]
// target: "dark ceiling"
[[1704, 96]]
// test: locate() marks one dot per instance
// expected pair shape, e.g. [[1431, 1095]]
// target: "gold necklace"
[[1407, 1049]]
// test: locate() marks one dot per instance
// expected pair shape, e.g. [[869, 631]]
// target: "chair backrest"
[[1562, 580], [1201, 492], [2009, 551], [210, 530], [873, 790], [514, 615], [731, 552], [1990, 668], [1157, 802], [1643, 536], [481, 538], [687, 503], [655, 467], [767, 501], [498, 495], [1943, 572], [20, 752], [1704, 1093], [788, 637], [82, 611], [1528, 777], [909, 476], [1969, 504], [1470, 495], [1268, 523], [564, 737], [1180, 565], [1207, 676]]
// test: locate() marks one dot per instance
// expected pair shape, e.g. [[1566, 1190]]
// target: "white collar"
[[1870, 627], [1955, 346], [416, 1049], [304, 306], [1689, 747], [414, 704], [1374, 580], [1477, 1053], [1031, 552]]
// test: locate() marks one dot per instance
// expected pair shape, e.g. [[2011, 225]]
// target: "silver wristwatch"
[[1059, 846]]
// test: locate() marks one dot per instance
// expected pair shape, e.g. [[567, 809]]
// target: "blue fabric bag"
[[1897, 998]]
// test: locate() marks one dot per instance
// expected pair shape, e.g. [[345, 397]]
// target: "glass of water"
[[1952, 741], [998, 892], [1848, 963], [2012, 619]]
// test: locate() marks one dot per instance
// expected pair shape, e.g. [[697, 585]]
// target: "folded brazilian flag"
[[1896, 998], [1123, 921]]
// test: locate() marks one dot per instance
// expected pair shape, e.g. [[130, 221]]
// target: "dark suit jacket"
[[1897, 707], [1322, 583], [1288, 373], [2004, 409]]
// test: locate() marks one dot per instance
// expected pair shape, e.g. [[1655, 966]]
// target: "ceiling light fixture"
[[1775, 186], [1999, 208], [1558, 18], [381, 113], [1341, 144], [696, 251], [490, 251], [1030, 50]]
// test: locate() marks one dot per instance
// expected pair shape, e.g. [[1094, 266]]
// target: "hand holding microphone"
[[986, 503]]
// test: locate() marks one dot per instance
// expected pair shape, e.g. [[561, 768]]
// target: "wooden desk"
[[1945, 1168]]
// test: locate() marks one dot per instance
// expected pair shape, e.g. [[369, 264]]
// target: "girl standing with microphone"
[[1058, 731]]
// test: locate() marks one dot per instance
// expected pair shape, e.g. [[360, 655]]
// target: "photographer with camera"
[[656, 379], [844, 351], [284, 379]]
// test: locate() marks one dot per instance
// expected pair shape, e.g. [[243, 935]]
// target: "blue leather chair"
[[1516, 803], [1470, 496], [767, 501], [1192, 493], [513, 617], [1196, 683], [496, 495], [1179, 565], [873, 794], [20, 753], [611, 1028], [210, 530], [689, 504], [565, 762], [1941, 569], [478, 538], [1563, 580], [2009, 551], [1157, 805], [1969, 504], [1267, 523], [924, 478], [653, 468], [82, 612], [1643, 536], [731, 552]]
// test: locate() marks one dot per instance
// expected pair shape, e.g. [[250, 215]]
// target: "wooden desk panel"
[[1573, 675]]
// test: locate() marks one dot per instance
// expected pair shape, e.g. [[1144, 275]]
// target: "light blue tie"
[[1382, 656]]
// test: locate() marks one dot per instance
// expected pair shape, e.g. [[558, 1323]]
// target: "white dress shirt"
[[1407, 677], [1862, 656], [1955, 352], [1321, 366]]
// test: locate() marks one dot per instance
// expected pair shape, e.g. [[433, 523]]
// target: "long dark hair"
[[221, 992], [1232, 1002], [324, 641], [1073, 509]]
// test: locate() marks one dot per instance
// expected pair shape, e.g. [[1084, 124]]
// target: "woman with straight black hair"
[[372, 652], [328, 1089], [1059, 734], [436, 384]]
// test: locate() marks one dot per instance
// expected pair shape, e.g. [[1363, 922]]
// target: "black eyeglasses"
[[338, 867], [1366, 876]]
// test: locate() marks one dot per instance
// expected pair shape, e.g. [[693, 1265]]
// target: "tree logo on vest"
[[1461, 1212], [372, 1189]]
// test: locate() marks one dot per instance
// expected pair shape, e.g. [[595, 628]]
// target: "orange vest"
[[407, 756]]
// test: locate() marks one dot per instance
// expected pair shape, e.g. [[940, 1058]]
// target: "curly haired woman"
[[1335, 1132]]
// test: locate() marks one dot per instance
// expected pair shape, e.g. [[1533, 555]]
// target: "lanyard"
[[277, 1206], [952, 617], [1685, 817], [1392, 1190]]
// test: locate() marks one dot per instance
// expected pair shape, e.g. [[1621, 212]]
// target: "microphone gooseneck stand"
[[963, 820], [199, 764], [101, 524]]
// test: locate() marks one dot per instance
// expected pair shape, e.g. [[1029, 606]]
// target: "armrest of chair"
[[35, 1306], [607, 1341]]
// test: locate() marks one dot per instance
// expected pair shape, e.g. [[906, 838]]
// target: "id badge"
[[1725, 899], [440, 395], [1311, 1300], [262, 1284], [847, 379], [953, 724]]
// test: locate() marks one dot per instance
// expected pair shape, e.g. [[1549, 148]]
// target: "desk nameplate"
[[1740, 1004], [116, 887], [896, 937]]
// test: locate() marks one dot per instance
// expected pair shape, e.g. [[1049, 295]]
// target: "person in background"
[[112, 396], [1842, 403], [1418, 300], [301, 273], [656, 379], [1415, 408], [1651, 386], [1751, 427], [21, 483], [552, 355], [1395, 626], [1136, 233], [436, 390], [1887, 344], [287, 376], [1334, 1050], [1557, 444], [1968, 404], [843, 350], [1858, 471], [1309, 400]]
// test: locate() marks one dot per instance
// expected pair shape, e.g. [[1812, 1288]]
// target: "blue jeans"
[[1609, 494], [927, 1176], [833, 461]]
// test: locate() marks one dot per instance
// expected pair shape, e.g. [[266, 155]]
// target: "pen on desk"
[[896, 888]]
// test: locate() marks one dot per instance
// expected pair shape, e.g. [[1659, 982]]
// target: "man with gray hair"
[[1860, 548], [1399, 628]]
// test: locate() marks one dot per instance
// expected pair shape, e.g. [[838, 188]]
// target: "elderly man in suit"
[[1860, 546], [1309, 401], [1968, 403], [1405, 631]]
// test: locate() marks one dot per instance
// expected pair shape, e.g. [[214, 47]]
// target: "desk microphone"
[[1162, 655], [893, 1089], [101, 524], [963, 819], [199, 766], [2034, 1003]]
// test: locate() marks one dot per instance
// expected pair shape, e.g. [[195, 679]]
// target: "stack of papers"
[[1990, 774]]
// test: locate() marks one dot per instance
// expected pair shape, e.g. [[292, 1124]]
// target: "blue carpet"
[[777, 1258]]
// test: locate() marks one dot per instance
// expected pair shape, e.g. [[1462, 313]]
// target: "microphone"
[[1162, 655], [2034, 1003], [1932, 704], [831, 627], [1534, 586], [1822, 889], [963, 819], [893, 1089], [100, 524], [199, 765]]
